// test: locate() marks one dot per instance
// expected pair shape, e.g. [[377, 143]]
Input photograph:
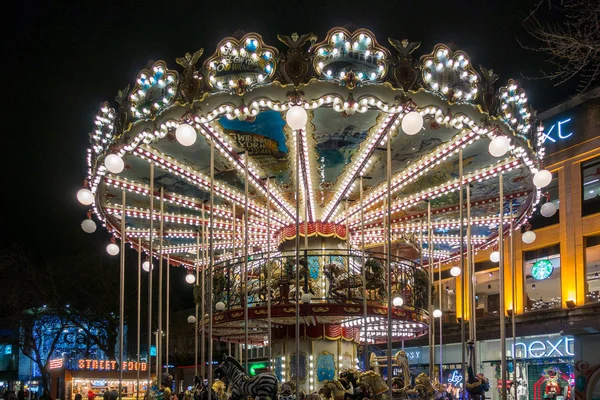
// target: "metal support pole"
[[168, 316], [430, 263], [472, 291], [462, 265], [389, 264], [139, 313], [514, 300], [364, 274], [245, 275], [122, 294], [502, 305], [197, 305], [269, 274], [441, 318], [159, 346], [150, 260], [297, 332], [210, 267], [203, 302]]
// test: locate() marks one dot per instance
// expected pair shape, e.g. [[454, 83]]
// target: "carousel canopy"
[[357, 95]]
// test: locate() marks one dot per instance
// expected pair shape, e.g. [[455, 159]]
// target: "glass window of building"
[[448, 296], [592, 268], [590, 175], [487, 291], [542, 278], [537, 220]]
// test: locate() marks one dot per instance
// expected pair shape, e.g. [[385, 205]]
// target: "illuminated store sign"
[[558, 132], [542, 269], [455, 378], [559, 347], [109, 365]]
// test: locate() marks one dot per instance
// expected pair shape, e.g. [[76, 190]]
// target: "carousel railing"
[[329, 275]]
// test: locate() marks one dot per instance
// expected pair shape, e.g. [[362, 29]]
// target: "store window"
[[592, 268], [550, 194], [487, 293], [448, 296], [542, 278], [590, 175]]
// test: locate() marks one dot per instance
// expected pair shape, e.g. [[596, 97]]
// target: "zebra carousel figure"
[[263, 386]]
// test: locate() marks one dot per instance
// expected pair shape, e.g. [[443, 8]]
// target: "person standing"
[[21, 394], [91, 395]]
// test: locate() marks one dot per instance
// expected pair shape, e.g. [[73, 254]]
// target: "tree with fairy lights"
[[55, 316]]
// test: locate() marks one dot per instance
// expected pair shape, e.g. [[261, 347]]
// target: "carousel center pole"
[[502, 305], [122, 294]]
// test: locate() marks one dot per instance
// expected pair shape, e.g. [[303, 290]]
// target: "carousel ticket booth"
[[82, 375]]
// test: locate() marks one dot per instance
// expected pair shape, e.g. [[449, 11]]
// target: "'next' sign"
[[558, 131]]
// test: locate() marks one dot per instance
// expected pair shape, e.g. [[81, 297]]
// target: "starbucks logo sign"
[[542, 270]]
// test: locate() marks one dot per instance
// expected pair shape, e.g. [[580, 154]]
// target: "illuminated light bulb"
[[437, 313], [85, 197], [114, 163], [548, 209], [528, 237], [499, 146], [495, 256], [397, 302], [220, 306], [412, 123], [296, 117], [88, 226], [191, 319], [112, 249], [542, 178], [190, 278], [185, 134], [146, 266], [455, 271]]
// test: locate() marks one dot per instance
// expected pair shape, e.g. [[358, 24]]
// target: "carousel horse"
[[354, 390], [163, 392], [343, 284], [424, 387], [476, 385], [260, 387], [332, 390], [402, 361], [375, 383], [287, 391]]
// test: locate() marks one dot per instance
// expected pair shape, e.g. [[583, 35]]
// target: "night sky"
[[62, 59]]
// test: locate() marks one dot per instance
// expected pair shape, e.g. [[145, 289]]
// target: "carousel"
[[312, 190]]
